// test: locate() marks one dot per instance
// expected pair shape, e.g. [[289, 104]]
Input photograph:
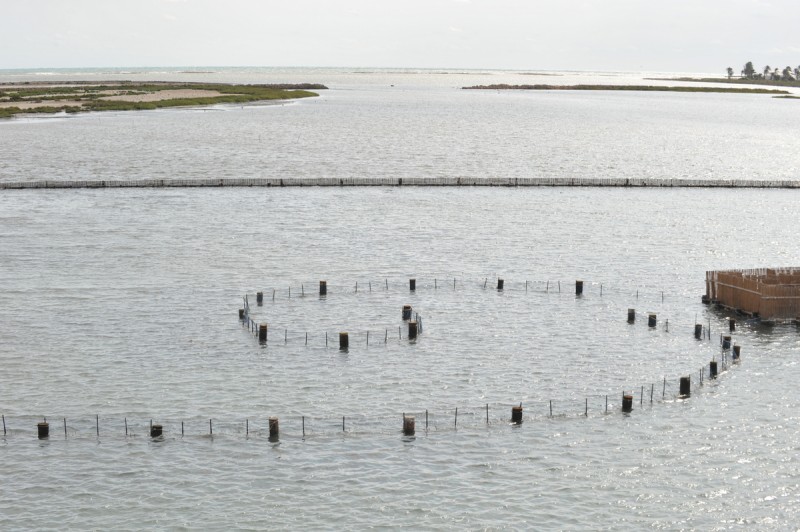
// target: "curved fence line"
[[427, 421], [406, 181]]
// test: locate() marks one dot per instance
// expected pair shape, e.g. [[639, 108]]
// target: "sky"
[[650, 35]]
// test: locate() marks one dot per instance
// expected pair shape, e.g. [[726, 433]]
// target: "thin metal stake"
[[641, 396], [601, 289], [370, 285], [304, 426], [4, 424], [651, 392], [434, 284], [326, 338], [65, 428], [547, 288], [606, 404], [386, 338], [456, 425], [487, 413], [399, 333], [181, 429], [551, 408], [586, 411], [247, 427], [285, 335], [367, 338], [664, 391], [559, 287], [306, 338], [302, 290], [126, 427], [97, 423], [210, 428], [342, 423], [426, 420]]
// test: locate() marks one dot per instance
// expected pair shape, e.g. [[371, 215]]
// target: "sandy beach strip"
[[164, 95]]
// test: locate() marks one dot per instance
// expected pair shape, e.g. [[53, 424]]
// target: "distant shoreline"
[[81, 96], [640, 88]]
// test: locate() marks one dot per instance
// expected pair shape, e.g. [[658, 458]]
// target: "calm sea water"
[[122, 304]]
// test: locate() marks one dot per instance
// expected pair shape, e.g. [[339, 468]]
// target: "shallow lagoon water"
[[123, 304]]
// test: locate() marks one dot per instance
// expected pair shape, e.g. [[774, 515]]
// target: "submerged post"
[[156, 431], [262, 332], [43, 430], [259, 298], [737, 350], [627, 403], [631, 315], [412, 284], [731, 324], [344, 341], [516, 415], [712, 369], [323, 288], [686, 386], [241, 314], [578, 288], [406, 312], [651, 320], [726, 342], [698, 331], [408, 425], [412, 330], [274, 430], [500, 284]]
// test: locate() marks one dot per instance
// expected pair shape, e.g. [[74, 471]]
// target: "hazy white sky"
[[666, 35]]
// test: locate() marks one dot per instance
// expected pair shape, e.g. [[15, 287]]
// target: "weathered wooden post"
[[627, 403], [156, 431], [726, 343], [412, 284], [408, 425], [731, 324], [323, 288], [500, 284], [685, 387], [262, 332], [43, 430], [737, 350], [406, 312], [259, 298], [344, 341], [241, 314], [516, 415], [651, 320], [274, 430], [631, 315], [412, 330], [578, 288], [698, 331], [712, 369]]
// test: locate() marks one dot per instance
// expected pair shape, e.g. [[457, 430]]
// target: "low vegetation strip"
[[126, 96], [626, 88]]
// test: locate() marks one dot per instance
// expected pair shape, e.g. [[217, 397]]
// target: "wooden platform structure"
[[768, 293]]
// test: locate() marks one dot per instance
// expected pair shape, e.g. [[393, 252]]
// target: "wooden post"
[[698, 330], [344, 341], [412, 284], [627, 403], [712, 369], [156, 431], [686, 386], [412, 330], [274, 430], [241, 314], [516, 415], [631, 315], [737, 350], [408, 425], [726, 343], [262, 332], [499, 284], [323, 288], [651, 320], [43, 430], [578, 288], [731, 324], [406, 312], [259, 298]]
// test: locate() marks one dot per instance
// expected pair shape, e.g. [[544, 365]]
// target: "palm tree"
[[767, 70], [730, 72], [786, 75], [797, 73]]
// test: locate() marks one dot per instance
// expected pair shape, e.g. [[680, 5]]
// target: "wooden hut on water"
[[769, 293]]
